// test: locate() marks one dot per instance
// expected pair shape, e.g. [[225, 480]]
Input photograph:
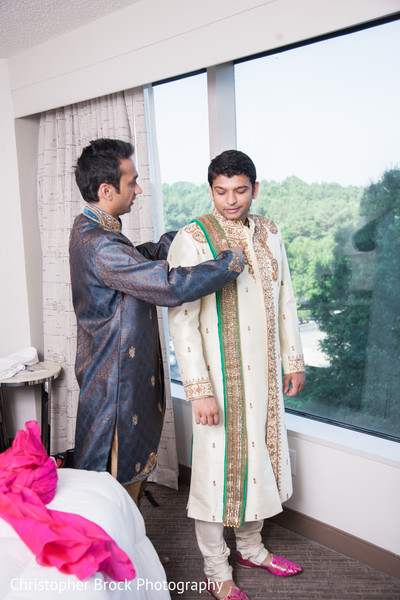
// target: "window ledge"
[[348, 440], [177, 391]]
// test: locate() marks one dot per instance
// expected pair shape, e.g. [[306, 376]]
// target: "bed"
[[101, 499]]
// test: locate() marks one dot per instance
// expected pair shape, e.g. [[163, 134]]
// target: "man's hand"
[[206, 411], [237, 249], [297, 380]]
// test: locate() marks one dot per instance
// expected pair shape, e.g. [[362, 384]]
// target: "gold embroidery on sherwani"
[[195, 231], [235, 411], [235, 264], [296, 364], [267, 250], [151, 462], [107, 221], [270, 225], [199, 388], [269, 274], [235, 233]]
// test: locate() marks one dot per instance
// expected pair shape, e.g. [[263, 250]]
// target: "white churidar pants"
[[210, 538]]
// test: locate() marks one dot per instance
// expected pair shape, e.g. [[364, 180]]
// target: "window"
[[321, 123], [181, 119]]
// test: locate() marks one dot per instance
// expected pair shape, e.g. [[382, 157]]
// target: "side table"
[[40, 373]]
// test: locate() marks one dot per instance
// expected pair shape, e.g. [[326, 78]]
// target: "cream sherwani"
[[251, 447]]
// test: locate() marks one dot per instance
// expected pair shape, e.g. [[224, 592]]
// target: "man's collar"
[[228, 222], [100, 216]]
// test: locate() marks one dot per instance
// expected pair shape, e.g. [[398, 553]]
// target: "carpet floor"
[[327, 575]]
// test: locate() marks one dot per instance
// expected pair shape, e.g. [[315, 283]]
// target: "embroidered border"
[[268, 273], [196, 232], [151, 463], [296, 364], [235, 411], [235, 264], [104, 219], [197, 389], [234, 231]]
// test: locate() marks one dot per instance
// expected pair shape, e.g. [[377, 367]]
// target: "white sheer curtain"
[[63, 134]]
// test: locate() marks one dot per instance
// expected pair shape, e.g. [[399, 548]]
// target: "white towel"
[[14, 363]]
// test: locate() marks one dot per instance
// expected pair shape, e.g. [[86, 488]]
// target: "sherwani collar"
[[230, 224], [93, 212]]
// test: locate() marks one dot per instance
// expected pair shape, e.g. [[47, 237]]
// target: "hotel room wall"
[[15, 331], [131, 47]]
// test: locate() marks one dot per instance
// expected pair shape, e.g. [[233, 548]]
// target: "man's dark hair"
[[230, 163], [100, 163]]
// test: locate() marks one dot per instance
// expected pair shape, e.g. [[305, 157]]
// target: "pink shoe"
[[279, 566], [233, 594]]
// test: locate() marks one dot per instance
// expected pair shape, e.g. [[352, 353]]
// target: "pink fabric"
[[28, 480]]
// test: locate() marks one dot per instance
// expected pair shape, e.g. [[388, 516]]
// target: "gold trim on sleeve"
[[296, 364]]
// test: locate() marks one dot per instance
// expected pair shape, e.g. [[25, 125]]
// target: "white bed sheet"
[[100, 498]]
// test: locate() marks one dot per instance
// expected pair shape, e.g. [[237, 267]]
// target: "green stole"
[[235, 479]]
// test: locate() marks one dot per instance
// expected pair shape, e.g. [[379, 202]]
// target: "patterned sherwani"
[[116, 288], [230, 345]]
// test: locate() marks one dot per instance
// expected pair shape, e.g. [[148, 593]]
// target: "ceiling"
[[27, 23]]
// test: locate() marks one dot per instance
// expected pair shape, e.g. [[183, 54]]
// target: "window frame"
[[221, 91]]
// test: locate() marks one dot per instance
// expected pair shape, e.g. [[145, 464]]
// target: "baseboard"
[[339, 540], [329, 536]]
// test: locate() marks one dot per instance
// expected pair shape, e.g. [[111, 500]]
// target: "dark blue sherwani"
[[116, 288]]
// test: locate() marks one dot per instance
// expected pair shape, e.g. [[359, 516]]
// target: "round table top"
[[33, 374]]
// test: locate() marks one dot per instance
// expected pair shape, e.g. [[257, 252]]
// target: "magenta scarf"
[[73, 544]]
